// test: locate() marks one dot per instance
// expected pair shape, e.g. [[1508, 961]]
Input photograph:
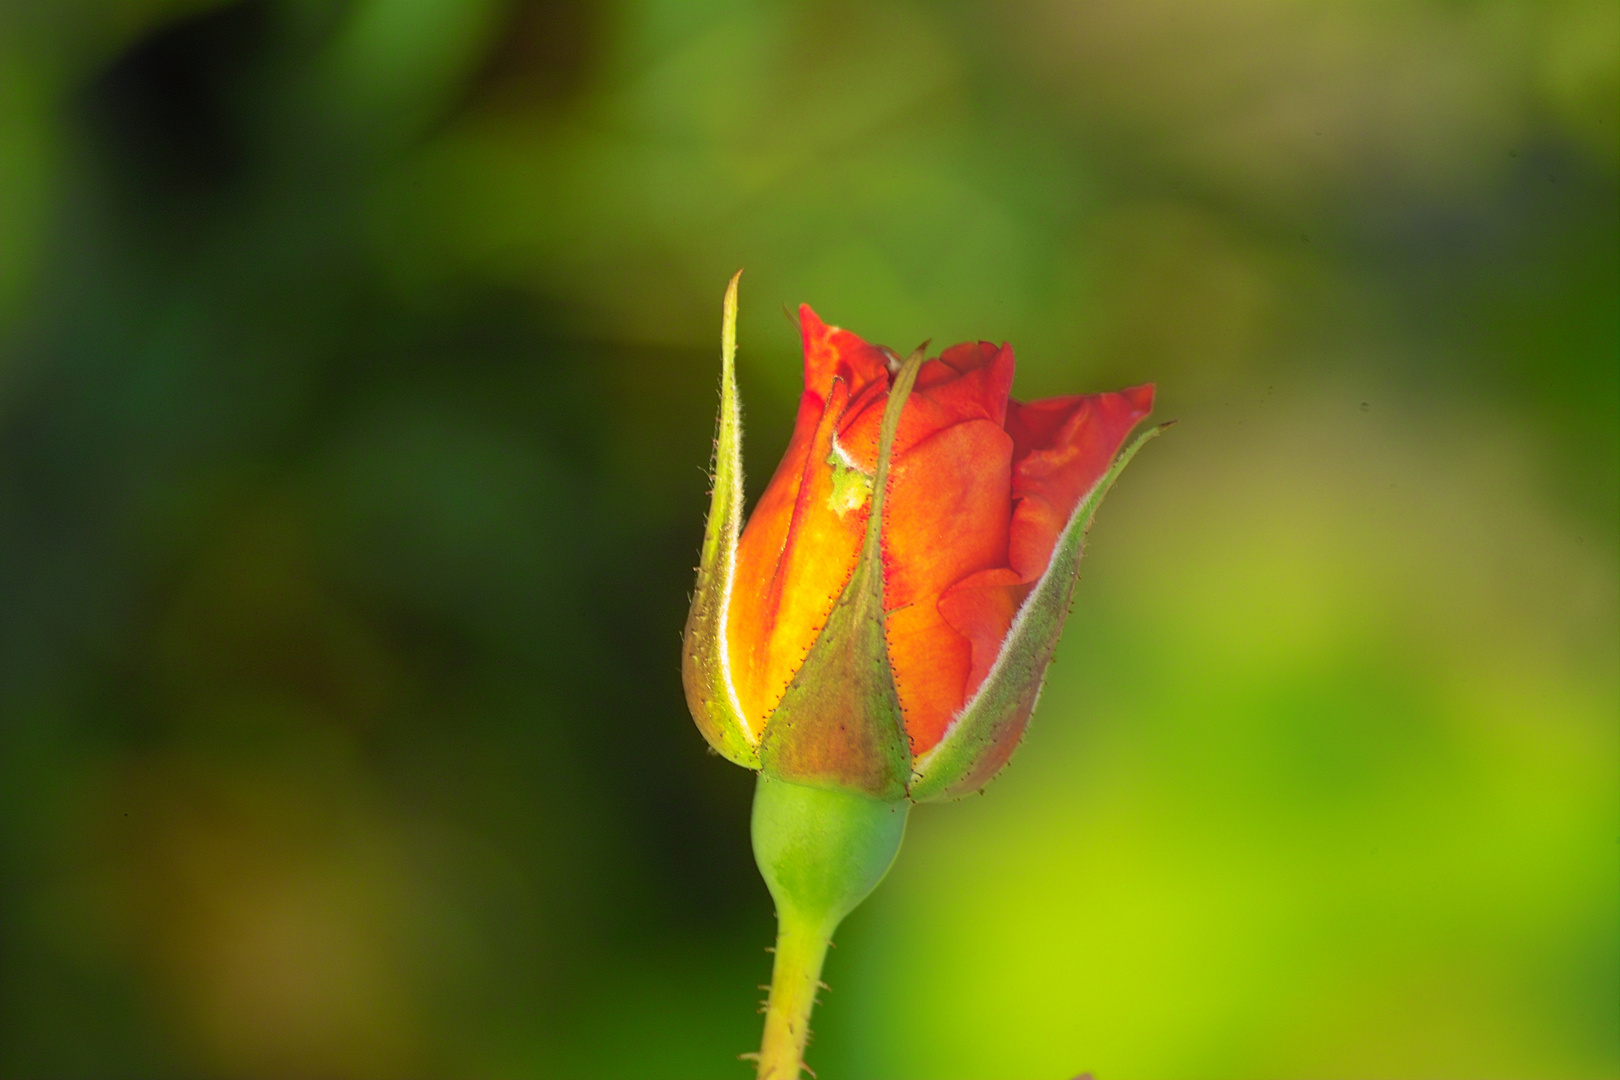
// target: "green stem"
[[800, 949], [821, 852]]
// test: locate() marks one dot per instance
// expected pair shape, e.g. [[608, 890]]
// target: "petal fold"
[[984, 734]]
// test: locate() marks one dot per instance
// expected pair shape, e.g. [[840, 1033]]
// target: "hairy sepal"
[[839, 723], [983, 736], [705, 661]]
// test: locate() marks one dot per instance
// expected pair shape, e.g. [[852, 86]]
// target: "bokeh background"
[[357, 379]]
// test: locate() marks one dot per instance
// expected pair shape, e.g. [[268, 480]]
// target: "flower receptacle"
[[821, 851]]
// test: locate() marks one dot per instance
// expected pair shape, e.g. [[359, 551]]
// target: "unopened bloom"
[[884, 622], [878, 634]]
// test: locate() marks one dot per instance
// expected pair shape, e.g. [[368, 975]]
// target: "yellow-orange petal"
[[790, 570], [779, 592]]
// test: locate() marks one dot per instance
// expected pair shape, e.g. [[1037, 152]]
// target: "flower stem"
[[801, 946], [821, 851]]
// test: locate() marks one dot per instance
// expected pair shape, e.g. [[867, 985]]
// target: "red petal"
[[980, 608], [831, 352], [947, 518], [974, 512], [1061, 448], [949, 509], [966, 382]]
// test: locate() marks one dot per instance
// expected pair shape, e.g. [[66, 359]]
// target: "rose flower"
[[986, 500], [878, 634]]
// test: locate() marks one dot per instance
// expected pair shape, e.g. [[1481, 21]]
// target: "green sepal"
[[839, 723], [976, 744], [705, 665]]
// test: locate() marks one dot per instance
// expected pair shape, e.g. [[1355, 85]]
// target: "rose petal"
[[947, 518], [831, 352], [797, 550], [1061, 448], [966, 382]]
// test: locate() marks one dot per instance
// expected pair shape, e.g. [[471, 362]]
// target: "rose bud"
[[890, 638], [878, 634]]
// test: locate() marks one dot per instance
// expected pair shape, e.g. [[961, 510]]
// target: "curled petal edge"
[[705, 658], [981, 737]]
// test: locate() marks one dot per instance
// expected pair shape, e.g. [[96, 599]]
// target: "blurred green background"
[[357, 376]]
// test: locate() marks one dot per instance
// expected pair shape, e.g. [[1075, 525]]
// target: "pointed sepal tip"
[[705, 659]]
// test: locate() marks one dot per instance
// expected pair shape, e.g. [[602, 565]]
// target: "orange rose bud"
[[884, 622]]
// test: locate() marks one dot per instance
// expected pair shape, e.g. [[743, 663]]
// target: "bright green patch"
[[850, 487]]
